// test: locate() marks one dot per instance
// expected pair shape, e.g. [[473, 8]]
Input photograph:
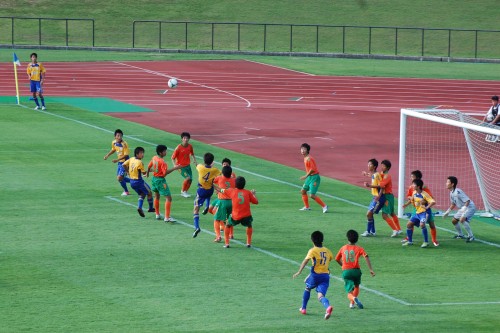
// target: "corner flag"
[[16, 63]]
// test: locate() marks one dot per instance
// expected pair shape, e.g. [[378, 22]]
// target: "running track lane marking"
[[242, 170], [271, 254], [249, 104]]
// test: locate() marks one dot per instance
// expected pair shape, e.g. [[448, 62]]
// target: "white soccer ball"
[[172, 83], [489, 117]]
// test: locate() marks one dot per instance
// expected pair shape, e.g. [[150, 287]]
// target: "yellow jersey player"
[[36, 75], [121, 149], [378, 197], [206, 176]]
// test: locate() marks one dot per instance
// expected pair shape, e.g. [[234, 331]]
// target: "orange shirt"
[[159, 166], [182, 155], [241, 200], [310, 165], [224, 183], [386, 183], [350, 256]]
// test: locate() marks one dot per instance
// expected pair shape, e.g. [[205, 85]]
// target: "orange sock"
[[434, 235], [355, 292], [231, 231], [249, 235], [390, 222], [305, 199], [396, 221], [186, 184], [157, 206], [168, 204], [226, 235], [217, 229], [351, 297], [319, 201]]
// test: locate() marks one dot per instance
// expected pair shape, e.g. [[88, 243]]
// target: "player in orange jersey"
[[388, 213], [348, 258], [312, 180], [182, 156], [159, 185], [224, 205], [241, 200]]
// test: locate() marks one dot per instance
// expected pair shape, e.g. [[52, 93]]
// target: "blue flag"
[[16, 60]]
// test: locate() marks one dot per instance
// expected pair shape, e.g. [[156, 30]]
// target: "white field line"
[[249, 104]]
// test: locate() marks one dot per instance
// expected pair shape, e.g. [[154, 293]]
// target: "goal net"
[[442, 143]]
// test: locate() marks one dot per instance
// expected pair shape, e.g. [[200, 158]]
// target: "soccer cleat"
[[469, 239], [407, 243], [459, 237], [205, 211], [226, 246], [169, 220], [36, 108], [196, 232], [141, 212], [125, 193], [305, 208], [218, 240], [185, 194], [151, 210], [366, 234], [404, 240], [358, 303], [424, 244], [249, 245], [351, 306], [159, 217], [43, 108], [303, 311], [328, 312], [436, 243], [325, 209], [395, 233]]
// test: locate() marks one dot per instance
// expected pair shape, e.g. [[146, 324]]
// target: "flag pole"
[[17, 85]]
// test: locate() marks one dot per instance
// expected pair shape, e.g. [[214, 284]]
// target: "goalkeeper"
[[465, 212], [492, 116]]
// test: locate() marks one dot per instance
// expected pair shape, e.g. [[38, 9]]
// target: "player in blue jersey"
[[319, 277]]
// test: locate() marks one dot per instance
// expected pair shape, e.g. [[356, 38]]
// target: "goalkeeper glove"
[[446, 213]]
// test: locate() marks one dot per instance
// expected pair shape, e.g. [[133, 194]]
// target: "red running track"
[[268, 112]]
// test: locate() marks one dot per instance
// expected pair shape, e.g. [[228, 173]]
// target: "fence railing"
[[260, 38], [267, 37], [47, 31]]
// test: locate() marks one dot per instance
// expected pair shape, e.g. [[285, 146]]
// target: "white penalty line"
[[274, 255]]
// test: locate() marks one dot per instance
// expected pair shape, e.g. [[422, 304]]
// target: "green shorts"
[[224, 208], [246, 221], [186, 172], [311, 184], [352, 277], [159, 185], [389, 204]]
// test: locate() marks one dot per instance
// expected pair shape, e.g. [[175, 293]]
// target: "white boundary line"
[[267, 252], [249, 104]]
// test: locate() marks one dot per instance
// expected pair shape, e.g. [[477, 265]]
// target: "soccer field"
[[76, 256]]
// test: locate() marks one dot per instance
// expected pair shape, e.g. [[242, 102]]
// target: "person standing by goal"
[[466, 209], [492, 116]]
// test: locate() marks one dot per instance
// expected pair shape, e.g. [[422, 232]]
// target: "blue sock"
[[305, 298], [43, 101], [36, 102], [426, 234], [325, 302], [370, 227], [196, 220], [126, 179], [123, 183], [409, 234], [140, 202], [150, 202]]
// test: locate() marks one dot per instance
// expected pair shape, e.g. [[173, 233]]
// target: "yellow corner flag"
[[16, 63]]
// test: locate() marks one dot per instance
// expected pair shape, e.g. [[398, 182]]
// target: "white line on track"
[[289, 184], [224, 142], [249, 104]]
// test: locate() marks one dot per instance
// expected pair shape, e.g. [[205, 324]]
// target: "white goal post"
[[442, 143]]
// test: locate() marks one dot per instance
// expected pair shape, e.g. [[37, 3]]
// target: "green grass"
[[77, 257], [113, 25]]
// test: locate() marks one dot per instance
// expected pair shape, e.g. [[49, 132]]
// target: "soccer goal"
[[443, 143]]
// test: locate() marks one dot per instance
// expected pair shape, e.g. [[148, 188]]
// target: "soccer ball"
[[172, 83], [489, 117]]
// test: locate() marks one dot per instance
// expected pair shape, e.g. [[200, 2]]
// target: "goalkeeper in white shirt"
[[466, 209]]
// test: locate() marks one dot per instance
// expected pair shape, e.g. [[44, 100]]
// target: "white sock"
[[467, 227], [459, 229]]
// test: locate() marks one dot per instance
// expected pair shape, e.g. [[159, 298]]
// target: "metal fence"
[[47, 31], [258, 38]]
